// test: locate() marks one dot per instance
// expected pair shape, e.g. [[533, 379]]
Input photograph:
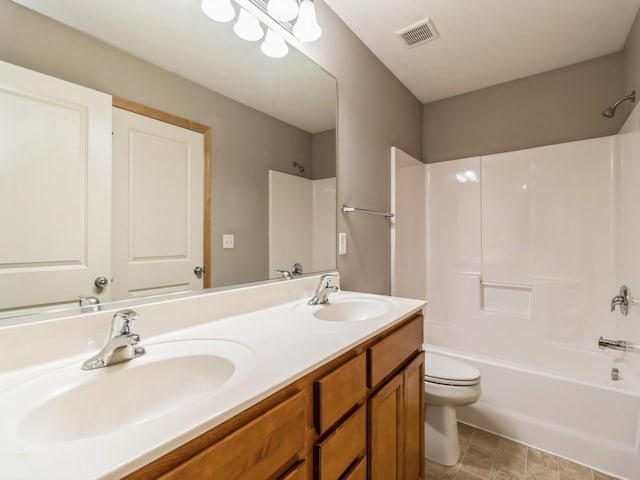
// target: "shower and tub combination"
[[526, 254]]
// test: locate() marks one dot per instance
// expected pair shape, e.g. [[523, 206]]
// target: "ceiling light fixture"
[[218, 10], [306, 27], [248, 27], [274, 45], [283, 10], [278, 17]]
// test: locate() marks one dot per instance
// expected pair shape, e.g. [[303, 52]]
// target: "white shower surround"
[[525, 251]]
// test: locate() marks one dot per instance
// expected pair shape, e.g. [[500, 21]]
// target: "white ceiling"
[[486, 42], [178, 37]]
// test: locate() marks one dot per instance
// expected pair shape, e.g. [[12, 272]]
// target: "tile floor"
[[485, 456]]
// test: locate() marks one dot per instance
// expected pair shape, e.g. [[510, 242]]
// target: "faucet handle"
[[286, 274], [326, 278], [123, 321]]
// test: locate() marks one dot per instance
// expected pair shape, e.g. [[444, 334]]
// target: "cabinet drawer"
[[358, 471], [257, 450], [299, 472], [342, 447], [337, 392], [391, 352]]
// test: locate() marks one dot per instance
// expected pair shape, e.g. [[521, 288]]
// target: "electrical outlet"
[[342, 243], [228, 240]]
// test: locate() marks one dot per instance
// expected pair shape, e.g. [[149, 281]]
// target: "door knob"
[[101, 282], [199, 271]]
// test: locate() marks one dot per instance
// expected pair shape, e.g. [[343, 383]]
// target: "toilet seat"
[[449, 371]]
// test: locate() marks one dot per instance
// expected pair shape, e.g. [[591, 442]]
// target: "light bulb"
[[274, 45], [248, 27], [306, 27], [283, 10], [218, 10]]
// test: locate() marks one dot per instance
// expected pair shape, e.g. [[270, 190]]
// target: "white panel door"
[[55, 188], [408, 244], [323, 249], [157, 206], [290, 222]]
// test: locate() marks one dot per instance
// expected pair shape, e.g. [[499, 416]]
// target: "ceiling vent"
[[418, 33]]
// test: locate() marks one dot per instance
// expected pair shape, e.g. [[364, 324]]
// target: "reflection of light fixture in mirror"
[[307, 28], [283, 10], [273, 45], [467, 176], [248, 27], [219, 10]]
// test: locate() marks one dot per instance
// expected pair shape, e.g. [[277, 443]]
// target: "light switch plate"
[[342, 243], [228, 240]]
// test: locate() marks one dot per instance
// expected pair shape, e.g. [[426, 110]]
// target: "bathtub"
[[577, 412]]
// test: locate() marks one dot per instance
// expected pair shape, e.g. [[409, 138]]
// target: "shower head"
[[610, 111]]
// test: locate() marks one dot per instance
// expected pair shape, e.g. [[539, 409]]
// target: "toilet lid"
[[449, 371]]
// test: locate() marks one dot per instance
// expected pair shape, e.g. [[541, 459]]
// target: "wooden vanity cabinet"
[[259, 449], [396, 408], [360, 416]]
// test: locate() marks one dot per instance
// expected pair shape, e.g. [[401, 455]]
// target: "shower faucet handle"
[[622, 299]]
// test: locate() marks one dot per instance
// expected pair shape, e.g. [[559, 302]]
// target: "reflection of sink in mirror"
[[71, 404], [352, 308]]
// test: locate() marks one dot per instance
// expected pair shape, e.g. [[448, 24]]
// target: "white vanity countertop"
[[285, 341]]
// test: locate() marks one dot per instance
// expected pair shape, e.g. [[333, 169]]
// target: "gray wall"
[[553, 107], [375, 112], [323, 154], [632, 64], [239, 167]]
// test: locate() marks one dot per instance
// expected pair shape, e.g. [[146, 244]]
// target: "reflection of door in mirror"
[[158, 203], [302, 223], [64, 227], [55, 185]]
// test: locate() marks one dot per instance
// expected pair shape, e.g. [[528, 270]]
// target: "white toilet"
[[448, 383]]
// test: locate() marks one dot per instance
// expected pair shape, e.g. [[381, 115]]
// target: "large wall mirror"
[[269, 126]]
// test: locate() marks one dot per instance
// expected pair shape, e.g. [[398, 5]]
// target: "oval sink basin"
[[352, 308], [170, 376]]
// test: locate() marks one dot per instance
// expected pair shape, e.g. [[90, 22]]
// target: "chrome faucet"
[[324, 289], [622, 299], [289, 274], [285, 274], [121, 346]]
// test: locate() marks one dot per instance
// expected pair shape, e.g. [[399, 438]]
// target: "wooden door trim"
[[205, 130]]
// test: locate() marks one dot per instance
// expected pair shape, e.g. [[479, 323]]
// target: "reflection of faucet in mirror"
[[89, 303], [285, 274], [289, 274], [121, 346], [321, 296]]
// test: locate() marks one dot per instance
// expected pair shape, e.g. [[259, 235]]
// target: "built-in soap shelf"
[[506, 297]]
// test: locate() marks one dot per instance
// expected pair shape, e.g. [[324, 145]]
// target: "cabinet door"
[[385, 428], [413, 417]]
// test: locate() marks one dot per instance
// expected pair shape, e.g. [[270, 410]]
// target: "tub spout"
[[614, 344]]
